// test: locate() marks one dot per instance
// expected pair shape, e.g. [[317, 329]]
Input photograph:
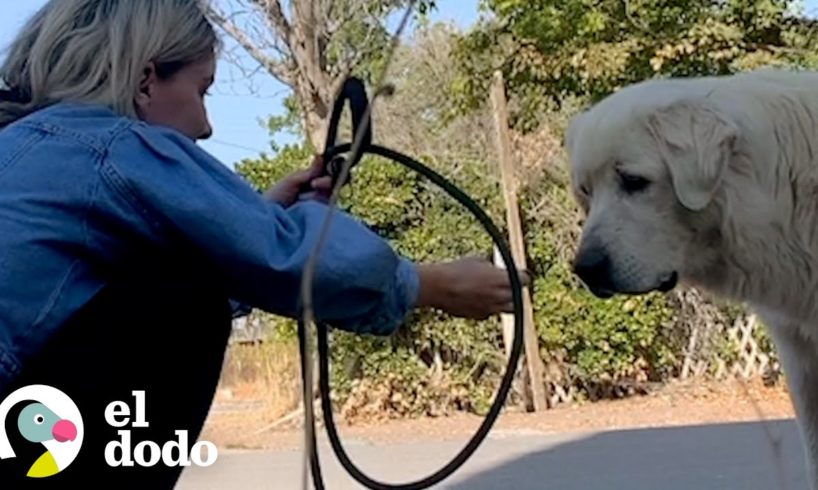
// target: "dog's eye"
[[633, 183]]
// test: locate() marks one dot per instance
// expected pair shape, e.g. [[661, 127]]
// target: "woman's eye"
[[633, 183]]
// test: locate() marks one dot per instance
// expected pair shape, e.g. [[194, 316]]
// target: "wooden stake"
[[534, 363]]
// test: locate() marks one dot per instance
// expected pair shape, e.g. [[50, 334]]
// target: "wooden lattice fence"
[[715, 345]]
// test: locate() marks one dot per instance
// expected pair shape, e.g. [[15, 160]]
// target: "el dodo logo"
[[42, 428], [148, 453], [42, 425]]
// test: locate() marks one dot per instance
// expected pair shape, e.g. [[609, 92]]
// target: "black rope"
[[355, 94]]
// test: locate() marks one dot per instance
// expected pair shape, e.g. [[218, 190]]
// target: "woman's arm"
[[165, 186], [470, 288]]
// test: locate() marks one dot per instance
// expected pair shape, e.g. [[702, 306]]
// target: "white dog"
[[711, 181]]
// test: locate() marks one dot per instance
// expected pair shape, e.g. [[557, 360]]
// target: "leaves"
[[551, 49]]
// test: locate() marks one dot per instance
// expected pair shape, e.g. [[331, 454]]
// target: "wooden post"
[[534, 363]]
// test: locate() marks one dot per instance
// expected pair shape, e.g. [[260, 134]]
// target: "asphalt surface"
[[728, 456]]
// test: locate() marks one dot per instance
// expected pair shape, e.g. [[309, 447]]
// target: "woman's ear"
[[144, 91]]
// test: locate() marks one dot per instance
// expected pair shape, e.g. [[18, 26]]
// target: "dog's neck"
[[769, 218]]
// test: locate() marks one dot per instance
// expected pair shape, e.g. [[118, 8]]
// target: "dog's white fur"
[[731, 205]]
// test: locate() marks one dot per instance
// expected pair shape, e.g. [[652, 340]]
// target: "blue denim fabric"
[[82, 190]]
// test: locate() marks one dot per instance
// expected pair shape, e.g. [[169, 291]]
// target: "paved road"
[[715, 457]]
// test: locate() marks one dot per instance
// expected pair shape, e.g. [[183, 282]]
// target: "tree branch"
[[279, 69], [357, 54], [275, 14], [336, 24]]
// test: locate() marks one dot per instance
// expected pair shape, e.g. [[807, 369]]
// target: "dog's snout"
[[593, 266]]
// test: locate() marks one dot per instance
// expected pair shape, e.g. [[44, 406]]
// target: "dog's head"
[[646, 166]]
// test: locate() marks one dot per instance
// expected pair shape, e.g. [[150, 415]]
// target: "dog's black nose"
[[593, 266]]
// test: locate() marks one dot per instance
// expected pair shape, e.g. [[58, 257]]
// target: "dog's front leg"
[[799, 357]]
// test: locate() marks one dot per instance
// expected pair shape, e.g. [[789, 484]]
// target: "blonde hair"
[[95, 51]]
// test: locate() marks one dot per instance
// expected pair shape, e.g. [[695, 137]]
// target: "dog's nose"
[[593, 266]]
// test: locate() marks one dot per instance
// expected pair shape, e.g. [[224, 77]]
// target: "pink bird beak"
[[64, 430]]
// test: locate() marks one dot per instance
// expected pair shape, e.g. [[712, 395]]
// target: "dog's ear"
[[696, 142]]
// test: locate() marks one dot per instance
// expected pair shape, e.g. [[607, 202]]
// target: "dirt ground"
[[239, 424]]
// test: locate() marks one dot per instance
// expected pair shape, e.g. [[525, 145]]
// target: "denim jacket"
[[81, 187]]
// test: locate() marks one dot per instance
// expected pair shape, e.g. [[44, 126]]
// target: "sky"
[[234, 109]]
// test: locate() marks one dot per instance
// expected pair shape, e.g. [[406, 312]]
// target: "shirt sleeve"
[[174, 188]]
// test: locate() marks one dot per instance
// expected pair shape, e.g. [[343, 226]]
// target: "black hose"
[[505, 385], [354, 92]]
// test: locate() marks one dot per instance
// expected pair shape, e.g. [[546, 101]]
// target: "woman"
[[123, 244]]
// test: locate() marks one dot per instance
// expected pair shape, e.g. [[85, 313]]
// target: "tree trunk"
[[316, 130], [315, 112], [313, 84]]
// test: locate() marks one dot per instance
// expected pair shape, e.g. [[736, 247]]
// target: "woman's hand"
[[287, 191], [469, 288]]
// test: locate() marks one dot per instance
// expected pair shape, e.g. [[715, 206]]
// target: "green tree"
[[553, 50]]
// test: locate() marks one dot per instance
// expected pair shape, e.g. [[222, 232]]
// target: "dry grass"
[[265, 375]]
